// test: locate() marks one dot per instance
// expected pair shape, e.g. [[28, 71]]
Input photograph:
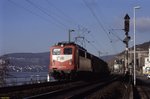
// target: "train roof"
[[69, 43]]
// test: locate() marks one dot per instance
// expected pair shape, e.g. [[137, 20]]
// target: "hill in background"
[[22, 62], [140, 47]]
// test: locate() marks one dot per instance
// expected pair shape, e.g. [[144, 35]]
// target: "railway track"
[[71, 92], [18, 92], [74, 92], [142, 90], [111, 87]]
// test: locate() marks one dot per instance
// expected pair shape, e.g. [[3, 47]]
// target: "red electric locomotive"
[[67, 60]]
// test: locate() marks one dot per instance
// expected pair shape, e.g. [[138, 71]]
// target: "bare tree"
[[3, 71]]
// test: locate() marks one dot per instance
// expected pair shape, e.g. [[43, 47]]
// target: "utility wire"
[[59, 10], [30, 11], [100, 24], [116, 36], [14, 3], [41, 9], [98, 43], [112, 32], [97, 19], [69, 19], [66, 17], [92, 45]]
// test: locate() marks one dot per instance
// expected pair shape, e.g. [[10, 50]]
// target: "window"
[[56, 51], [67, 51], [81, 53], [88, 56]]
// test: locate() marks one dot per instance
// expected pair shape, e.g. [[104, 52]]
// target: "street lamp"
[[70, 35], [136, 7]]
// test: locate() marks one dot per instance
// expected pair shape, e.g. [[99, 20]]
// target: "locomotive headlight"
[[62, 45]]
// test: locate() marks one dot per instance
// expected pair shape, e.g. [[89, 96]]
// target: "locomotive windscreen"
[[56, 51], [67, 51]]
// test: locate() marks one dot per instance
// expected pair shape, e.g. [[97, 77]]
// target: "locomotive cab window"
[[56, 51], [82, 53], [67, 51]]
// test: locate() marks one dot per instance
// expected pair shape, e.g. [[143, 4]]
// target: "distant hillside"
[[140, 47], [143, 46], [27, 61], [108, 57], [28, 55]]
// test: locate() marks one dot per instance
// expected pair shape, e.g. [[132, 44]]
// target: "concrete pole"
[[137, 7]]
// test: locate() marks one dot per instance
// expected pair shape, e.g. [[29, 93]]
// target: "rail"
[[88, 89], [29, 90]]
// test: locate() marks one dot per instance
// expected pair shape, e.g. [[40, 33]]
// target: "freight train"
[[70, 60]]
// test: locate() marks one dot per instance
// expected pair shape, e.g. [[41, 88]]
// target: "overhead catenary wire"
[[110, 29], [84, 40], [116, 36], [97, 19], [61, 13], [65, 16], [16, 4], [46, 13], [99, 22], [113, 43], [96, 41], [101, 25], [56, 21], [92, 45], [34, 13], [44, 10], [95, 48]]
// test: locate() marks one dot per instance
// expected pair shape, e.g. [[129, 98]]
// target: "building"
[[146, 67]]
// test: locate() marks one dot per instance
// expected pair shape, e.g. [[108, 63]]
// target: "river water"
[[20, 78]]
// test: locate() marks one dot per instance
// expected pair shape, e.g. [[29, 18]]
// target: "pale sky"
[[35, 25]]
